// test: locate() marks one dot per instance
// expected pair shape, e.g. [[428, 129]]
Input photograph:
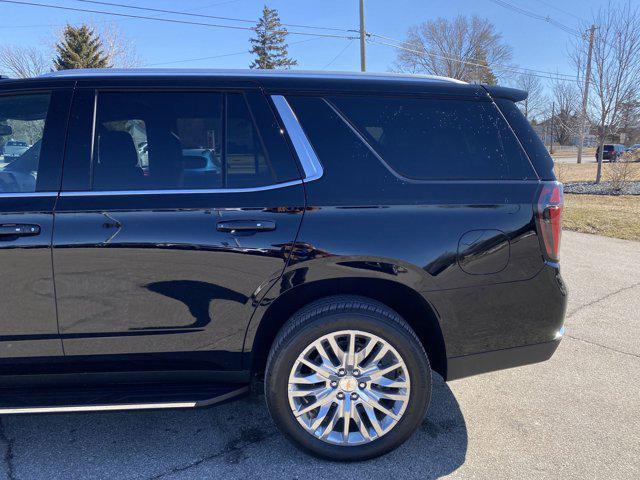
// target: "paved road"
[[585, 159], [575, 416]]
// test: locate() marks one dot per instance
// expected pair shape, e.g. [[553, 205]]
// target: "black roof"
[[276, 80]]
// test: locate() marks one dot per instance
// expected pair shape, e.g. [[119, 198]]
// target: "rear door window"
[[181, 141], [22, 124], [438, 139]]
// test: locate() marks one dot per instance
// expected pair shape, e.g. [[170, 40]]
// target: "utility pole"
[[585, 95], [553, 114], [363, 56]]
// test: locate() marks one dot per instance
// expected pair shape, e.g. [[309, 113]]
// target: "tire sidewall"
[[276, 383]]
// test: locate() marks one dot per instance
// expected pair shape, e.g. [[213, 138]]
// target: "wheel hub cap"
[[348, 384], [336, 406]]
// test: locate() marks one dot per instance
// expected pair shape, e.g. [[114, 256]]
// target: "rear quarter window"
[[438, 139]]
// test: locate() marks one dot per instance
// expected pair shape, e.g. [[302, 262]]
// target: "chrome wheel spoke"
[[322, 399], [379, 395], [362, 427], [347, 406], [315, 392], [371, 415], [387, 382], [378, 356], [337, 351], [308, 379], [321, 370], [322, 414], [326, 360], [374, 375], [330, 426], [351, 352], [374, 403], [349, 387], [365, 352]]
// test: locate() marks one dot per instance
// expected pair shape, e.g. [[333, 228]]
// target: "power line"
[[566, 12], [199, 15], [474, 62], [338, 55], [243, 52], [172, 62], [537, 16], [168, 20], [106, 21], [542, 74], [477, 62]]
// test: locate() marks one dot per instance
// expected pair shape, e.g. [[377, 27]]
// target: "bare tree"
[[466, 48], [535, 102], [120, 50], [23, 62], [566, 104], [615, 74]]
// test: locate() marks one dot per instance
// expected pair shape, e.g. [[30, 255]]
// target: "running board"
[[202, 399]]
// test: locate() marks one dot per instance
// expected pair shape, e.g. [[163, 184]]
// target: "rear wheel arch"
[[408, 303]]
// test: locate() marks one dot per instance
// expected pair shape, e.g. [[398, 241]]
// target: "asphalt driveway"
[[575, 416]]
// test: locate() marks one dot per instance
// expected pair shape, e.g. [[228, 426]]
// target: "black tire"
[[333, 314]]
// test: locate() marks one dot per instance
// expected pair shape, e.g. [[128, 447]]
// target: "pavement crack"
[[598, 300], [246, 438], [8, 453], [631, 354]]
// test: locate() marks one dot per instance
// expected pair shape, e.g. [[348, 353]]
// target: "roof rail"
[[513, 94], [94, 72]]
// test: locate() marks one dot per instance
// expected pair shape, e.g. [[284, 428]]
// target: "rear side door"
[[178, 209], [29, 182]]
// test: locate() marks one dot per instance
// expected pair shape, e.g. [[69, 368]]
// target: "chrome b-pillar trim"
[[310, 163]]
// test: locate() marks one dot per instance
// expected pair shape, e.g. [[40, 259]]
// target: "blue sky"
[[536, 44]]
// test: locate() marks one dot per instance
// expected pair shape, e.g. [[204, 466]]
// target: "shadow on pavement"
[[237, 440]]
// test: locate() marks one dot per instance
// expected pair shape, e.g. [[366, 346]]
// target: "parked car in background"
[[633, 148], [14, 148], [612, 152], [188, 235]]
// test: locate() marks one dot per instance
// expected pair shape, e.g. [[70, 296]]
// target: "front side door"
[[177, 212], [32, 130]]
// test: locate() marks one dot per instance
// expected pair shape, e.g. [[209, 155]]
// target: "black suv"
[[611, 152], [171, 238]]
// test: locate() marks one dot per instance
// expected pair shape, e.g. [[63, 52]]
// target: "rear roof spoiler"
[[513, 94]]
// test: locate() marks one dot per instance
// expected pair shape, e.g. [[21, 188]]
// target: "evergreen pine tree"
[[485, 74], [269, 46], [80, 47]]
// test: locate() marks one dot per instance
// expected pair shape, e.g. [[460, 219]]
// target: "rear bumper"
[[474, 364]]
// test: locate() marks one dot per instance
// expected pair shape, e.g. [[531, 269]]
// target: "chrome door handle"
[[246, 226], [19, 229]]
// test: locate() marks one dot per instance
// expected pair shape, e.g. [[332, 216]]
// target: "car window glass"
[[429, 139], [178, 140], [246, 159], [22, 121], [157, 141]]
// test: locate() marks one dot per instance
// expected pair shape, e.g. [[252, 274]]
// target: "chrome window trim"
[[96, 408], [27, 194], [246, 73], [310, 163], [106, 193]]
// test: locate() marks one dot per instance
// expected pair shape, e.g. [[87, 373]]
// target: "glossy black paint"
[[137, 274], [29, 327], [149, 282]]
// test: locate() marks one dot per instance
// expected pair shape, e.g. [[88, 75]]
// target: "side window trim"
[[111, 193], [405, 179], [312, 173], [50, 161], [304, 150]]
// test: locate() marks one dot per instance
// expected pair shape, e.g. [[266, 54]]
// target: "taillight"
[[549, 218]]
